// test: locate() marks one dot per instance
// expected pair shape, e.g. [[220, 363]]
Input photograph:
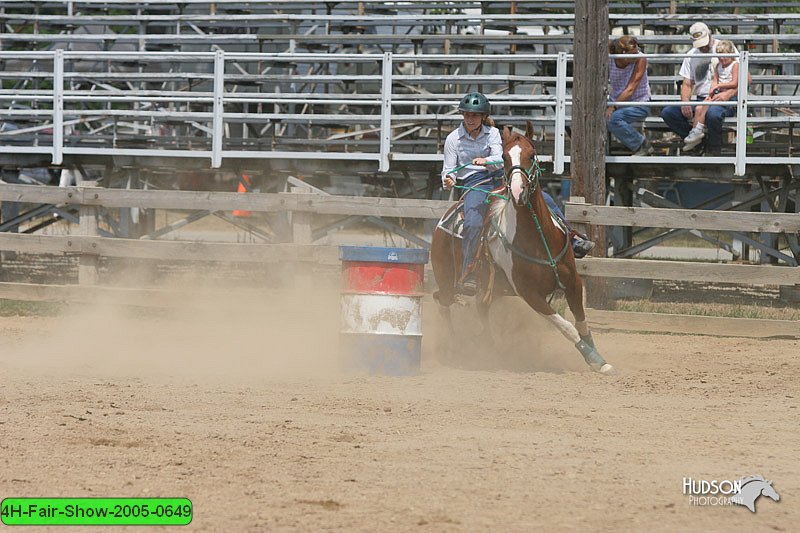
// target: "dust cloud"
[[521, 340], [217, 334]]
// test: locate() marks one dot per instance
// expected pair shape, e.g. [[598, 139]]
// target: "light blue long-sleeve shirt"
[[460, 148]]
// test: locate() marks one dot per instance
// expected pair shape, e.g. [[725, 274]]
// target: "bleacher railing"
[[217, 98]]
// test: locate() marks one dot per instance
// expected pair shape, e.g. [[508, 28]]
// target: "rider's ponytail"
[[489, 121]]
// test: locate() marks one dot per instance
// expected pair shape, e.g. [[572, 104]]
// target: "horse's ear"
[[505, 132], [529, 134], [529, 130]]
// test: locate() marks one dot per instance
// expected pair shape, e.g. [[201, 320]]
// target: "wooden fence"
[[649, 217], [90, 246], [580, 213]]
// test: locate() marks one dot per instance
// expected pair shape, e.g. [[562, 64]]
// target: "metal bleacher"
[[344, 88]]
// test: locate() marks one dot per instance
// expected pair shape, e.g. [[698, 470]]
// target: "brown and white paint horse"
[[521, 224]]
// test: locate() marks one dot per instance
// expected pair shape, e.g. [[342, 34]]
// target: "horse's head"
[[519, 158], [769, 491]]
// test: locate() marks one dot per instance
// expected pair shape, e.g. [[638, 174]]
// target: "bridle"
[[531, 175], [532, 182]]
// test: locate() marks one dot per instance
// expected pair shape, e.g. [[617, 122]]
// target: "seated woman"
[[629, 83]]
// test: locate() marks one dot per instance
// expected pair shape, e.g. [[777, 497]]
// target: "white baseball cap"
[[700, 34]]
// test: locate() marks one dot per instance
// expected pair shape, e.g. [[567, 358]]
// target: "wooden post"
[[88, 262], [301, 234], [589, 97]]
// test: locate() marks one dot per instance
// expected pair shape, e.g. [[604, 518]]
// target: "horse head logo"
[[752, 488]]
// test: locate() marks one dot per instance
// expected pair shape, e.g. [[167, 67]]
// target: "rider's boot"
[[581, 245]]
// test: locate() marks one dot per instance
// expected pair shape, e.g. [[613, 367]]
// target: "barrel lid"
[[375, 254]]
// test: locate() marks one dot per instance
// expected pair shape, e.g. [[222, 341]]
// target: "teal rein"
[[488, 193], [465, 165], [467, 188]]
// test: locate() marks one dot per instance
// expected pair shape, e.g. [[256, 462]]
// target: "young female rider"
[[473, 156]]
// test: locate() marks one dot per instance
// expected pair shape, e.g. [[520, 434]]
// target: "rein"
[[465, 165], [468, 188]]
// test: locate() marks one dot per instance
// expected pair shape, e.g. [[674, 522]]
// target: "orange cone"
[[244, 185]]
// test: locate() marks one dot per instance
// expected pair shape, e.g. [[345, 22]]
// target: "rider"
[[473, 156]]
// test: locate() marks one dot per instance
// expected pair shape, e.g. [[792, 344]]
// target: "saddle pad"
[[452, 222]]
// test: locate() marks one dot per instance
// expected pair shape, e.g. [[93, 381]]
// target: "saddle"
[[452, 222]]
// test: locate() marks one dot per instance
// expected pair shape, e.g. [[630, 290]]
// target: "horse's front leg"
[[587, 350], [585, 343]]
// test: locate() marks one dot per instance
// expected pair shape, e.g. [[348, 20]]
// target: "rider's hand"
[[687, 111], [448, 182], [481, 161]]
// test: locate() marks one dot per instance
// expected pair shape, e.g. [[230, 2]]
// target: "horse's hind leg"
[[444, 313], [483, 313], [585, 344], [444, 254]]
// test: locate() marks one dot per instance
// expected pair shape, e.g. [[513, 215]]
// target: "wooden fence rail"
[[684, 218], [226, 201]]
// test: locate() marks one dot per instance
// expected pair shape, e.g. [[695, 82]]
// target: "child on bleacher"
[[695, 87], [724, 76]]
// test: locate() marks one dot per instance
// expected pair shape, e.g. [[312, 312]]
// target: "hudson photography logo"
[[744, 491]]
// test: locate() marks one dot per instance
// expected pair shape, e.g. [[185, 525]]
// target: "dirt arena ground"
[[241, 408]]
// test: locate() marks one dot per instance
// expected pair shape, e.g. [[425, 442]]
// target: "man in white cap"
[[696, 71]]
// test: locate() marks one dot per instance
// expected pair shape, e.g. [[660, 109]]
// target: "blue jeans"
[[620, 125], [555, 209], [715, 115], [475, 208]]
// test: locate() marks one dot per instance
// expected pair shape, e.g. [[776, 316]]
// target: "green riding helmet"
[[475, 102]]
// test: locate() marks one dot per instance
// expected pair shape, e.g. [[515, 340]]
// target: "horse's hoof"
[[608, 370], [461, 300]]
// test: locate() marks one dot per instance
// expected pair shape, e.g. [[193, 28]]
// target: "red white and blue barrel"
[[381, 299]]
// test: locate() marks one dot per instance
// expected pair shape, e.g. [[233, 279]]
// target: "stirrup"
[[468, 286]]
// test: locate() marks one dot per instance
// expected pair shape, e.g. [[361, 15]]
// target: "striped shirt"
[[620, 77], [460, 149]]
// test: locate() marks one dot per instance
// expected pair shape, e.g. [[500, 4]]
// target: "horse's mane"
[[497, 205], [748, 479]]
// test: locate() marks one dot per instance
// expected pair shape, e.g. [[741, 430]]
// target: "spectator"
[[696, 72], [629, 83], [724, 77]]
